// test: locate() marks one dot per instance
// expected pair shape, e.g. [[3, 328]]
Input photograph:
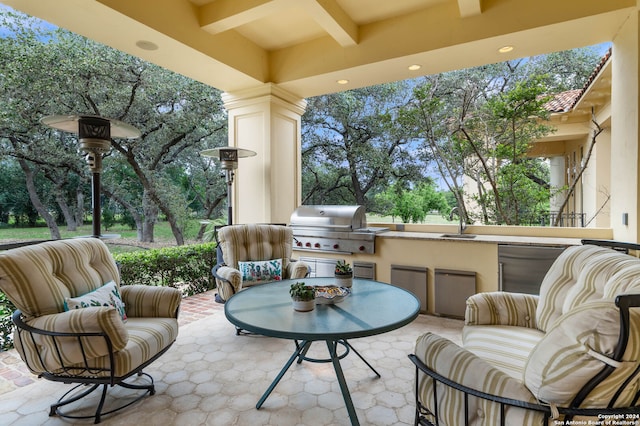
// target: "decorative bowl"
[[328, 294]]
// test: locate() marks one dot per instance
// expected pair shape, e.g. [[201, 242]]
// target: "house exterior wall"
[[625, 133]]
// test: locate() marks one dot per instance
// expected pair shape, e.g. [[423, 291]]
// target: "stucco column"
[[625, 133], [266, 120], [558, 180]]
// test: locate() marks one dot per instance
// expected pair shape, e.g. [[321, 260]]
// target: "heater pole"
[[229, 176], [95, 203]]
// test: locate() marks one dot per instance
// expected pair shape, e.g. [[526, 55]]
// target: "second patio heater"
[[228, 156], [94, 135]]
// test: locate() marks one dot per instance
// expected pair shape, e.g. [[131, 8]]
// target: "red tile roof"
[[565, 101]]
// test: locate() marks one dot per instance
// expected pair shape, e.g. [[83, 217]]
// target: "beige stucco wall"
[[624, 131], [598, 187]]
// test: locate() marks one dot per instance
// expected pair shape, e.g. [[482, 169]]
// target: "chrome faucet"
[[463, 225]]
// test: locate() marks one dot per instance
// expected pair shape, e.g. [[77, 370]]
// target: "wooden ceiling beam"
[[469, 8], [334, 20], [223, 15]]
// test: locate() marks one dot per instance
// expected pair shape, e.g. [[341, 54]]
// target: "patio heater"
[[228, 157], [94, 134]]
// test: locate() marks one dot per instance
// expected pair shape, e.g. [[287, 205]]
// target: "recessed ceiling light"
[[505, 49], [414, 67], [343, 81], [146, 45]]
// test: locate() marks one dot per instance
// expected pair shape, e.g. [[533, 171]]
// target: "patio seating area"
[[211, 376]]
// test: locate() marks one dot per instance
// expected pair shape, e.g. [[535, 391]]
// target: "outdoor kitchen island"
[[430, 250]]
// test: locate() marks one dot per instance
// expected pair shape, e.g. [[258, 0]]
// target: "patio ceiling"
[[306, 46]]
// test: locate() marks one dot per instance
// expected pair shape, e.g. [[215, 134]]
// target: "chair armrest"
[[502, 308], [297, 269], [464, 372], [150, 301], [500, 398], [58, 341], [228, 280]]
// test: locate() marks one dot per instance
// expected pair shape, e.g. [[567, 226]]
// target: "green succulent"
[[300, 291], [343, 268]]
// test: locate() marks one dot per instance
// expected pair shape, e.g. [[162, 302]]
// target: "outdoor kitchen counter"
[[479, 238], [417, 254]]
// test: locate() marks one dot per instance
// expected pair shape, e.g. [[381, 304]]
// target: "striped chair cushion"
[[625, 281], [231, 284], [297, 270], [55, 270], [464, 367], [575, 278], [566, 358], [501, 308], [505, 347], [255, 242], [147, 301], [44, 353], [146, 337]]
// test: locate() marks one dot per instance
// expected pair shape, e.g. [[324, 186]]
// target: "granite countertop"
[[479, 238]]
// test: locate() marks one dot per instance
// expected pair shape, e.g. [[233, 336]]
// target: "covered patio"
[[268, 56], [211, 376]]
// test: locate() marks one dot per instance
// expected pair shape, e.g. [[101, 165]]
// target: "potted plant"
[[343, 274], [303, 297]]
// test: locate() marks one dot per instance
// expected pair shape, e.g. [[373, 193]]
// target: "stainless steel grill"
[[339, 229]]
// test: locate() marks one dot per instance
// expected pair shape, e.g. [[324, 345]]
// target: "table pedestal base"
[[334, 358]]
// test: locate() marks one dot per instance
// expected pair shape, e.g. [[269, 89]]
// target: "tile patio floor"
[[210, 376]]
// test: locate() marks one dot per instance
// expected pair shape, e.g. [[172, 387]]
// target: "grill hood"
[[333, 229], [336, 218]]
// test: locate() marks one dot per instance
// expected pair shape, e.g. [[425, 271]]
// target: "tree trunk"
[[66, 211], [149, 214], [79, 206], [572, 185], [35, 200]]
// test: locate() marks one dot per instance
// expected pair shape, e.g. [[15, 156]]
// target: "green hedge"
[[185, 267], [6, 326]]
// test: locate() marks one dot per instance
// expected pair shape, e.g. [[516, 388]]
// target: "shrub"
[[185, 267], [6, 326]]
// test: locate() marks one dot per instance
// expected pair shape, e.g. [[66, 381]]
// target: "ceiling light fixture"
[[505, 49], [343, 81], [414, 67], [146, 45]]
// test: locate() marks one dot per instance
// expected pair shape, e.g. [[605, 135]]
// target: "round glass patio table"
[[371, 308]]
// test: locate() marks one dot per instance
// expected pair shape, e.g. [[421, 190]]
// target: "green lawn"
[[162, 232]]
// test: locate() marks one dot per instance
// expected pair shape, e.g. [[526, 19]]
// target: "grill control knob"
[[336, 246], [308, 244], [317, 245], [361, 248]]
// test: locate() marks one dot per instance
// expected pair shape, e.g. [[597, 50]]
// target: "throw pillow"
[[261, 271], [107, 295]]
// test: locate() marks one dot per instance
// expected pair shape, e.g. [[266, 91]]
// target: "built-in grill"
[[340, 229]]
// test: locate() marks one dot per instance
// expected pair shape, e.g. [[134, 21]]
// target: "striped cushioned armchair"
[[571, 353], [245, 250], [99, 343]]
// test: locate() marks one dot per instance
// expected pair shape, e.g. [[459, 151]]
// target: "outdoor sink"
[[461, 236]]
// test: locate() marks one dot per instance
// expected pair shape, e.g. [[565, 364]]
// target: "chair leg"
[[55, 409]]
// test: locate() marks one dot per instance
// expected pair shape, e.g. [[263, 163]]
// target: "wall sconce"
[[228, 157]]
